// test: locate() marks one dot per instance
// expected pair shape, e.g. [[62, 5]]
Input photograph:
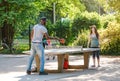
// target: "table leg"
[[86, 60], [37, 60], [60, 62], [66, 57]]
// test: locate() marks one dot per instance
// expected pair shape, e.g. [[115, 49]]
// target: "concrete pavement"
[[13, 68]]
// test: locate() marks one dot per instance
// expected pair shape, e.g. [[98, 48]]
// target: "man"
[[39, 30]]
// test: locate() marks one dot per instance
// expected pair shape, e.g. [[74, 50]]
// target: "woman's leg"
[[98, 58], [93, 59]]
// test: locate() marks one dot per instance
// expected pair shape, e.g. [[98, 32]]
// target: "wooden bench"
[[62, 53]]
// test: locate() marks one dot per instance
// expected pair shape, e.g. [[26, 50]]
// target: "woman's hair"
[[96, 32]]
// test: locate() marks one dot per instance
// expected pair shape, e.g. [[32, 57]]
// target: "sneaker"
[[93, 66], [43, 73], [47, 59], [53, 57], [28, 72], [98, 65]]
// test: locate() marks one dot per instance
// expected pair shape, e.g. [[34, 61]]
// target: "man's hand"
[[62, 41]]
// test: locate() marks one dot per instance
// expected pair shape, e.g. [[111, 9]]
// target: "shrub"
[[63, 30], [80, 26], [105, 19], [82, 39], [110, 39]]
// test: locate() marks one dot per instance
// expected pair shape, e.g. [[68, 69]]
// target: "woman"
[[93, 42]]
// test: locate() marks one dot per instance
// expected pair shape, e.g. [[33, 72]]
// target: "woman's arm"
[[99, 41], [88, 44]]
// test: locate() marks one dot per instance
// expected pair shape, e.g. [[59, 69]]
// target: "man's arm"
[[62, 41], [49, 37]]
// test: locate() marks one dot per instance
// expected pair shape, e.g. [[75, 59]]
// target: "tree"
[[15, 15], [115, 4], [111, 7], [93, 6], [63, 8]]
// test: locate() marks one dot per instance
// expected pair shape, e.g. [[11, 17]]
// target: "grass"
[[20, 45]]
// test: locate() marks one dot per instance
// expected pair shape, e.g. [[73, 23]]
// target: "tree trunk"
[[7, 35], [7, 30]]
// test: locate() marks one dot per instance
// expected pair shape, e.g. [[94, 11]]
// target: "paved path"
[[13, 68]]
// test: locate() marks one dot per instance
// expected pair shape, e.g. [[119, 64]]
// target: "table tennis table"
[[60, 52]]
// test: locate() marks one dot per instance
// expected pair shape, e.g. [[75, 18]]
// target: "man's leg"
[[42, 60], [31, 58], [41, 54]]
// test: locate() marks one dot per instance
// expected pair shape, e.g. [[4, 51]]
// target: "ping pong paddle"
[[62, 41]]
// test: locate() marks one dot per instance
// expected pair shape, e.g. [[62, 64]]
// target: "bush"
[[110, 39], [80, 26], [63, 30], [105, 19], [82, 39], [50, 27]]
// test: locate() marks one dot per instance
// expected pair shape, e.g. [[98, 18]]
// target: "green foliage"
[[63, 8], [83, 21], [115, 5], [63, 29], [5, 51], [82, 39], [15, 16], [50, 27], [19, 46], [93, 6], [105, 19], [111, 7], [110, 39], [23, 45], [14, 11], [19, 13], [22, 13]]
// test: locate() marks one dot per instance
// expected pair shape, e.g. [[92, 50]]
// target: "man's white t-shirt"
[[39, 31]]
